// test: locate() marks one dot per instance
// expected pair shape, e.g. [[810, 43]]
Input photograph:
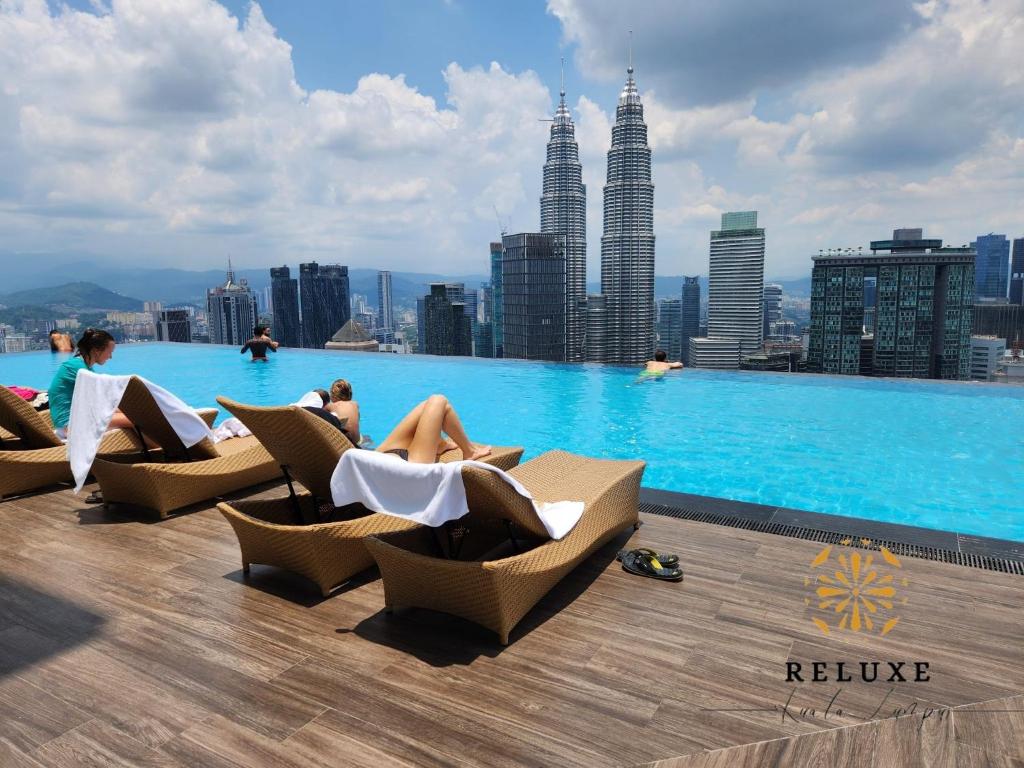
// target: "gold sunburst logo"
[[853, 592]]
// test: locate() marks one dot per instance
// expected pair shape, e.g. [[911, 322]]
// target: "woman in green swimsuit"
[[94, 348]]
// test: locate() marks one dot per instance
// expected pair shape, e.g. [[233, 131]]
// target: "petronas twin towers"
[[617, 325]]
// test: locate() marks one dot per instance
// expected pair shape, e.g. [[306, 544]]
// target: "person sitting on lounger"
[[94, 348], [660, 363], [345, 409], [259, 344], [419, 437]]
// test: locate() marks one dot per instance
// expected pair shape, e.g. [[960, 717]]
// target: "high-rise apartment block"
[[1017, 272], [735, 293], [563, 210], [670, 328], [772, 307], [923, 310], [446, 326], [497, 313], [690, 315], [385, 306], [325, 302], [986, 354], [992, 267], [173, 325], [627, 245], [284, 291], [533, 281], [231, 311]]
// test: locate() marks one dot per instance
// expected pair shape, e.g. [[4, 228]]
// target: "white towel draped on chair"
[[430, 494], [93, 405]]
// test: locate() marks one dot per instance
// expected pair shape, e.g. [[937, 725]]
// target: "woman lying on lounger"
[[419, 437]]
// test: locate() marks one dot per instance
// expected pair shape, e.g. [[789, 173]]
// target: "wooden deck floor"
[[130, 642]]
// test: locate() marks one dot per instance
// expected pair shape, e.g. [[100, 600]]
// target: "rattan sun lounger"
[[286, 533], [186, 475], [488, 581], [37, 458]]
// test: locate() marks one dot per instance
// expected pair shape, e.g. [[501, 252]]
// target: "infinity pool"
[[941, 455]]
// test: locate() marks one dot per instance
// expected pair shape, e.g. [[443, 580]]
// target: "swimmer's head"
[[660, 356]]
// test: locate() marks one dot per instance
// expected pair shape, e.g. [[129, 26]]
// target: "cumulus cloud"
[[147, 119], [695, 52]]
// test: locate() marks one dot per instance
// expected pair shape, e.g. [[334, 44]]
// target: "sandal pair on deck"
[[646, 562]]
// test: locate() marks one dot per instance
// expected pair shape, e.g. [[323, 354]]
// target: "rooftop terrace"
[[125, 641]]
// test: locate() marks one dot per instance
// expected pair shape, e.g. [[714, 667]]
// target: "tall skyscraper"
[[231, 311], [284, 291], [1017, 272], [735, 292], [627, 245], [670, 328], [498, 312], [173, 325], [690, 315], [446, 326], [563, 210], [923, 311], [533, 275], [325, 302], [772, 307], [385, 308], [992, 267], [596, 342]]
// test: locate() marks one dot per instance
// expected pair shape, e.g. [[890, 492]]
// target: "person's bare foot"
[[479, 451]]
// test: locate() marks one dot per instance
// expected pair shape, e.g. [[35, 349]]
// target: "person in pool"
[[660, 363], [94, 348], [61, 342], [259, 344], [419, 437]]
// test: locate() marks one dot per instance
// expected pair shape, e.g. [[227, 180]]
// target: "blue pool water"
[[935, 454]]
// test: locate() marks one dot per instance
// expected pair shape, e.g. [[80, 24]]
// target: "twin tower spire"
[[617, 325]]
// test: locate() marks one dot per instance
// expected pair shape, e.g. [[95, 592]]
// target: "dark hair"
[[324, 395], [341, 390], [93, 340], [660, 356], [259, 330]]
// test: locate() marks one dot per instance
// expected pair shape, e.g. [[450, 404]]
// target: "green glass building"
[[921, 305]]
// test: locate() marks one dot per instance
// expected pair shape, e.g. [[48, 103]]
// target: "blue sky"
[[384, 134]]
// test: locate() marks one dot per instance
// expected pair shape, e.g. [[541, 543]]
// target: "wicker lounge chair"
[[287, 532], [33, 456], [501, 570], [186, 475]]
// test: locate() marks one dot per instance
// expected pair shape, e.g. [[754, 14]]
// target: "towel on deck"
[[93, 405], [430, 494]]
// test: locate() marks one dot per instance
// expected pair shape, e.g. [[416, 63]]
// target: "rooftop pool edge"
[[749, 515]]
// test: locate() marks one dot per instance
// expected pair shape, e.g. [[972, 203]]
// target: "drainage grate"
[[985, 562]]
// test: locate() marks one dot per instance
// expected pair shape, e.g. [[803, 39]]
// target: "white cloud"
[[190, 125]]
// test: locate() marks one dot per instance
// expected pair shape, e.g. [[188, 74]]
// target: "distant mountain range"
[[178, 286], [72, 296]]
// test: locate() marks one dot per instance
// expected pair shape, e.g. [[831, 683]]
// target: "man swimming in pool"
[[660, 363], [259, 344]]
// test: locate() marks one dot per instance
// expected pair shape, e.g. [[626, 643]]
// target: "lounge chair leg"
[[504, 637], [245, 568], [325, 591], [636, 525]]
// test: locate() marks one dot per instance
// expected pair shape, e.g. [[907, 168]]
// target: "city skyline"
[[186, 167]]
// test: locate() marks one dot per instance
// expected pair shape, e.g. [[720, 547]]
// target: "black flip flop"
[[96, 497], [643, 564], [667, 561]]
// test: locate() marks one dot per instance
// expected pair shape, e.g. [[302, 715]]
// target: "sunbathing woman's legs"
[[420, 432]]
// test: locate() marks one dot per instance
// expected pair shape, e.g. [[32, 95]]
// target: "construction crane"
[[501, 226]]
